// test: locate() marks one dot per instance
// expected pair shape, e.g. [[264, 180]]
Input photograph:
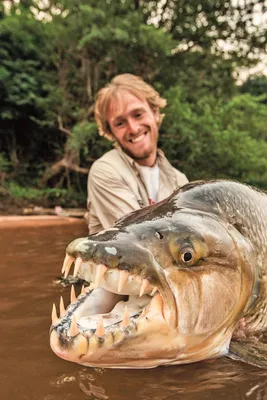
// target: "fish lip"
[[168, 296]]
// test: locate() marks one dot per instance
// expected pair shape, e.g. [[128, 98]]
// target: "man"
[[135, 173]]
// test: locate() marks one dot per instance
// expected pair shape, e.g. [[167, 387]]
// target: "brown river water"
[[32, 250]]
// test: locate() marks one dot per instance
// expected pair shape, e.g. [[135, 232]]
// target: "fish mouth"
[[119, 303]]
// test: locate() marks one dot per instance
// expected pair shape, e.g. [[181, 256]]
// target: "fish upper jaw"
[[123, 269], [93, 326]]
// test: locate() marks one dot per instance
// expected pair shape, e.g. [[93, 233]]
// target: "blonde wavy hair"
[[114, 90]]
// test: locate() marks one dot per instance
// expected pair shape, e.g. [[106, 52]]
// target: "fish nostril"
[[158, 235]]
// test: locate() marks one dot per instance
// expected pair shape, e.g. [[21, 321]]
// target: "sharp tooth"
[[62, 307], [144, 287], [118, 336], [154, 291], [100, 271], [80, 345], [77, 265], [109, 340], [93, 344], [54, 314], [83, 290], [74, 330], [100, 330], [123, 276], [72, 294], [126, 319], [67, 264], [156, 304]]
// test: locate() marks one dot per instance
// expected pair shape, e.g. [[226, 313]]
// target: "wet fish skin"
[[204, 248]]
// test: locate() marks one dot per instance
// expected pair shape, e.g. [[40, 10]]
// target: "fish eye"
[[183, 254], [187, 251], [186, 256]]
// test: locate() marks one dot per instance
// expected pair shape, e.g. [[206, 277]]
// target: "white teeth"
[[156, 304], [74, 330], [66, 265], [62, 307], [54, 314], [100, 272], [144, 287], [72, 294], [100, 330], [77, 265], [118, 336], [111, 279], [138, 139], [126, 319], [123, 276], [108, 340], [93, 344]]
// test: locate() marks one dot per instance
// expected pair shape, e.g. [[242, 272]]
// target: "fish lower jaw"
[[114, 309], [71, 341]]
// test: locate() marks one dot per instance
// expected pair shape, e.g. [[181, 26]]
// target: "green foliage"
[[256, 86], [52, 68], [207, 25], [215, 139], [85, 139], [28, 92], [62, 196]]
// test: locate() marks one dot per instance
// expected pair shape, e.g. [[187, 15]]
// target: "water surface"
[[32, 251]]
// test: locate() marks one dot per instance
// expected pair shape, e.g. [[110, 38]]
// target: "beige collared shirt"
[[116, 187]]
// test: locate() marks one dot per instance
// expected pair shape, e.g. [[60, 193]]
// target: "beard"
[[137, 156]]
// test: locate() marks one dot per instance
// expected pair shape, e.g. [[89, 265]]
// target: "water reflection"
[[223, 379], [31, 259]]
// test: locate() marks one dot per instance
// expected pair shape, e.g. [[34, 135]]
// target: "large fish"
[[173, 283]]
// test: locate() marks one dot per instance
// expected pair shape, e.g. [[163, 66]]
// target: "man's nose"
[[133, 126]]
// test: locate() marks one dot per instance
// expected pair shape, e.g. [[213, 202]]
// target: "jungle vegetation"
[[56, 54]]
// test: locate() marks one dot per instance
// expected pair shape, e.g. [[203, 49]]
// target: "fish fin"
[[251, 352]]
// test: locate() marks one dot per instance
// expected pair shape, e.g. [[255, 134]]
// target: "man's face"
[[134, 126]]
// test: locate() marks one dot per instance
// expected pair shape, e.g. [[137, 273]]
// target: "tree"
[[256, 86], [106, 39], [217, 139], [222, 27], [27, 90], [70, 48]]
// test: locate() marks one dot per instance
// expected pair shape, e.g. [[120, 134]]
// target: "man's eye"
[[138, 115], [118, 124]]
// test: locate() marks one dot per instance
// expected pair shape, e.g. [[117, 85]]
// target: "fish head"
[[169, 286]]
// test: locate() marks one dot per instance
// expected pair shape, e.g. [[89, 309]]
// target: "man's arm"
[[109, 197]]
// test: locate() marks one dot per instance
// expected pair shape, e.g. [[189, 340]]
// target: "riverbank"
[[10, 205]]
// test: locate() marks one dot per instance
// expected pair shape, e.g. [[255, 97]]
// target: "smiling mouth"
[[138, 138]]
